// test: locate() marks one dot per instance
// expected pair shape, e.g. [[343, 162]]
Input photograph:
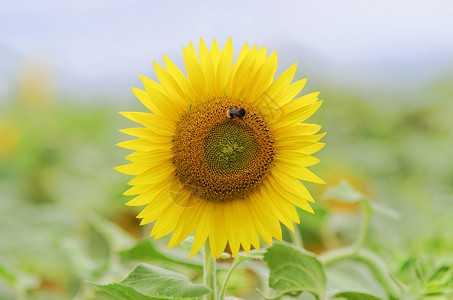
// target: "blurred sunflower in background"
[[223, 149]]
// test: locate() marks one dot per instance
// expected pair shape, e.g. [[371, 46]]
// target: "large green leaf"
[[351, 276], [344, 192], [293, 270], [147, 251], [151, 282], [354, 296], [119, 291]]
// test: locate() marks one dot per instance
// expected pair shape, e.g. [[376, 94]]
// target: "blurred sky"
[[95, 47]]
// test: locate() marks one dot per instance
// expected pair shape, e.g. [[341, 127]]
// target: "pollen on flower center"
[[220, 158]]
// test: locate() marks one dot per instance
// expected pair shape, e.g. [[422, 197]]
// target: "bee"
[[234, 112]]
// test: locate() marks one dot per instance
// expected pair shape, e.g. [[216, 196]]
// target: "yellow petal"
[[155, 207], [136, 190], [244, 228], [279, 84], [144, 145], [191, 51], [296, 130], [300, 153], [144, 133], [181, 79], [263, 78], [207, 66], [298, 142], [164, 106], [203, 228], [244, 52], [287, 94], [312, 148], [165, 223], [289, 184], [218, 235], [155, 123], [144, 198], [195, 74], [297, 116], [215, 52], [243, 74], [301, 102], [132, 169], [175, 93], [151, 158], [276, 204], [268, 225], [296, 159], [179, 195], [224, 68], [186, 224], [154, 174], [299, 172], [297, 195], [145, 99], [261, 56]]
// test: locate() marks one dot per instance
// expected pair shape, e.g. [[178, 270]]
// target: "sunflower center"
[[229, 148], [220, 157]]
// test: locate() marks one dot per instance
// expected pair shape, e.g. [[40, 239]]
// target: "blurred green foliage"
[[63, 223]]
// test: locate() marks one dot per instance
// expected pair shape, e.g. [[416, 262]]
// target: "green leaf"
[[146, 251], [385, 210], [19, 281], [151, 282], [354, 296], [116, 237], [83, 265], [293, 270], [253, 254], [344, 192], [354, 276], [7, 275], [121, 292]]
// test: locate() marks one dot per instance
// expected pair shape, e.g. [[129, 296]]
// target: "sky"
[[93, 46]]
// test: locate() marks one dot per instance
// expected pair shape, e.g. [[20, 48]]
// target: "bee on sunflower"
[[222, 150]]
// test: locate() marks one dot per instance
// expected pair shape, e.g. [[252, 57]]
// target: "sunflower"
[[223, 149]]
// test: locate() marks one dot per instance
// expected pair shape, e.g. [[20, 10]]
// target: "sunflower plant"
[[219, 162]]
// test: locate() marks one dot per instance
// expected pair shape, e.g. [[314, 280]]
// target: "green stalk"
[[227, 278], [371, 260], [367, 257], [236, 263], [361, 235], [297, 236], [209, 272]]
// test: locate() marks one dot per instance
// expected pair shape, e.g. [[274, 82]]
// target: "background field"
[[385, 73]]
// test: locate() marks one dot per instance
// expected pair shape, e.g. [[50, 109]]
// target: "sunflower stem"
[[366, 216], [227, 278], [209, 272], [235, 264], [297, 236]]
